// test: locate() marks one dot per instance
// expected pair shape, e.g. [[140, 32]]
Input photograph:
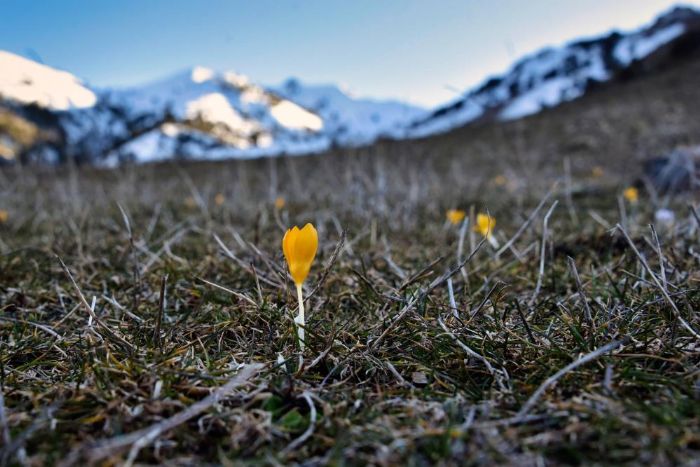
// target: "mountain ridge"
[[195, 113], [553, 75]]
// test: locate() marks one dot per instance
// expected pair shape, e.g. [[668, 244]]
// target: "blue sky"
[[423, 51]]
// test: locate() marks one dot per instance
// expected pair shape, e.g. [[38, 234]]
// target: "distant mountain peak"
[[200, 74]]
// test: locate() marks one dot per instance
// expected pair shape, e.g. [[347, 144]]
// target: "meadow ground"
[[145, 319], [397, 369]]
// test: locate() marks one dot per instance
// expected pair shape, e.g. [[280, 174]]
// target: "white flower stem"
[[492, 240], [299, 320]]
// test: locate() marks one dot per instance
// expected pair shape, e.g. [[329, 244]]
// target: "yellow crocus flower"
[[299, 247], [4, 215], [484, 224], [455, 216], [279, 203], [500, 180], [631, 194]]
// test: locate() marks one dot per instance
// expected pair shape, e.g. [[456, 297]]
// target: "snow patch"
[[201, 74], [254, 95], [236, 79], [638, 46], [547, 94], [292, 116], [467, 111], [159, 145], [215, 108], [347, 120], [29, 82]]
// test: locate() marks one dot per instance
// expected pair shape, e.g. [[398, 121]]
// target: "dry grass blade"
[[108, 332], [552, 380], [139, 439], [245, 266], [161, 311], [232, 292], [44, 328], [579, 285], [500, 376], [661, 288], [543, 250], [328, 268], [424, 293], [527, 222], [308, 432]]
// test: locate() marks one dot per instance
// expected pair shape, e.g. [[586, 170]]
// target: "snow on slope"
[[226, 115], [28, 82], [555, 75], [173, 140], [199, 113], [348, 120], [639, 45], [228, 99], [536, 82]]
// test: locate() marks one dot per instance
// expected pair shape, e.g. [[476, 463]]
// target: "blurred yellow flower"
[[631, 194], [484, 224], [455, 216], [190, 202], [500, 180], [279, 202], [299, 247], [597, 171], [219, 199], [4, 215]]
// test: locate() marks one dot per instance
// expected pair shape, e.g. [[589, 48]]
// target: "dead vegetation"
[[409, 358], [143, 321]]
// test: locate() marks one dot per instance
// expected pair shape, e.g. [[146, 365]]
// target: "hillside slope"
[[556, 75]]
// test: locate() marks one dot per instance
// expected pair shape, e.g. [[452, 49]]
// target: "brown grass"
[[393, 373]]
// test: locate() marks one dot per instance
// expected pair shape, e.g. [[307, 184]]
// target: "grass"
[[392, 373], [184, 297]]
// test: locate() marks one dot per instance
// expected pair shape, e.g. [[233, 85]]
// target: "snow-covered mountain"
[[349, 120], [217, 115], [198, 113], [51, 115], [555, 75]]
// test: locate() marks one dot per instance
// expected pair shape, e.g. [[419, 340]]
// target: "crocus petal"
[[306, 245], [485, 224], [286, 240], [299, 272], [455, 216], [631, 194]]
